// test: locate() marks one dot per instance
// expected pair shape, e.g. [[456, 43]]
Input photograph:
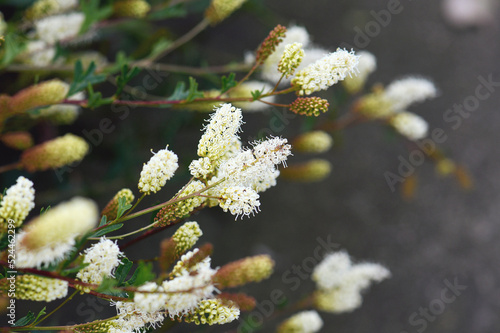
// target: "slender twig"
[[53, 311], [10, 167]]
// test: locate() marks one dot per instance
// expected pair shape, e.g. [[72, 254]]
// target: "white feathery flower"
[[103, 258], [186, 236], [150, 302], [160, 168], [132, 319], [245, 90], [404, 92], [189, 286], [18, 201], [239, 200], [409, 125], [367, 65], [50, 236], [272, 151], [223, 126], [326, 72], [201, 167], [37, 53], [266, 180], [340, 283], [59, 27], [302, 322]]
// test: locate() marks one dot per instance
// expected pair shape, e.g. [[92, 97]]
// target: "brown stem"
[[10, 167]]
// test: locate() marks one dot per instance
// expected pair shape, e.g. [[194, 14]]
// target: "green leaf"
[[93, 13], [125, 76], [193, 90], [123, 206], [25, 320], [104, 220], [82, 79], [44, 210], [256, 94], [41, 313], [105, 230], [168, 12], [227, 82], [11, 47], [142, 274], [108, 287], [179, 92], [123, 270]]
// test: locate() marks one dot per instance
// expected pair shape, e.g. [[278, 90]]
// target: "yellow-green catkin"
[[45, 93], [98, 326], [374, 105], [311, 171], [182, 208], [269, 44], [186, 236], [243, 271], [38, 288], [309, 106], [219, 10], [213, 311], [55, 153], [313, 142], [131, 8], [43, 8], [17, 140], [291, 59], [112, 207]]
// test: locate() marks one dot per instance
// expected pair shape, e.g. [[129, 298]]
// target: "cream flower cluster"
[[410, 125], [213, 311], [405, 92], [18, 201], [160, 168], [103, 258], [38, 288], [186, 236], [49, 237], [183, 292], [326, 72], [63, 114], [57, 28], [291, 59], [302, 322], [340, 283], [133, 319]]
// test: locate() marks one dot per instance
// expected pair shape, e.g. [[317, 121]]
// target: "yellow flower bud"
[[313, 142], [17, 140], [291, 59], [243, 271], [311, 171], [45, 93], [131, 8], [309, 106], [54, 153], [38, 288], [112, 207], [375, 105], [445, 167], [213, 311], [219, 10]]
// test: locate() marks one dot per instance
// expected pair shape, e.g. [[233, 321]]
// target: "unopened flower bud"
[[310, 171], [112, 207], [38, 288], [55, 153], [219, 10], [243, 271], [213, 311], [409, 125], [269, 45], [131, 8], [302, 322], [375, 105], [43, 8], [182, 208], [186, 236], [45, 93], [309, 106], [291, 59], [313, 142], [17, 140]]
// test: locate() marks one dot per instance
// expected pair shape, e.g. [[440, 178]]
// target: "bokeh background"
[[443, 234]]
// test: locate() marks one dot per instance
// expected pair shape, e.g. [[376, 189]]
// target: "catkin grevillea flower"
[[16, 204], [219, 10], [291, 59], [61, 114], [302, 322], [131, 8], [43, 8], [132, 319], [49, 237], [152, 301], [55, 153], [313, 170], [222, 128], [57, 28], [20, 140], [404, 92], [340, 283], [326, 72], [243, 271], [160, 168], [213, 311], [45, 93], [103, 258], [38, 288], [186, 236], [313, 142], [111, 208], [309, 106], [37, 53], [409, 125], [239, 200]]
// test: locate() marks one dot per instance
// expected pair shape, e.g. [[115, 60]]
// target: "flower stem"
[[53, 311]]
